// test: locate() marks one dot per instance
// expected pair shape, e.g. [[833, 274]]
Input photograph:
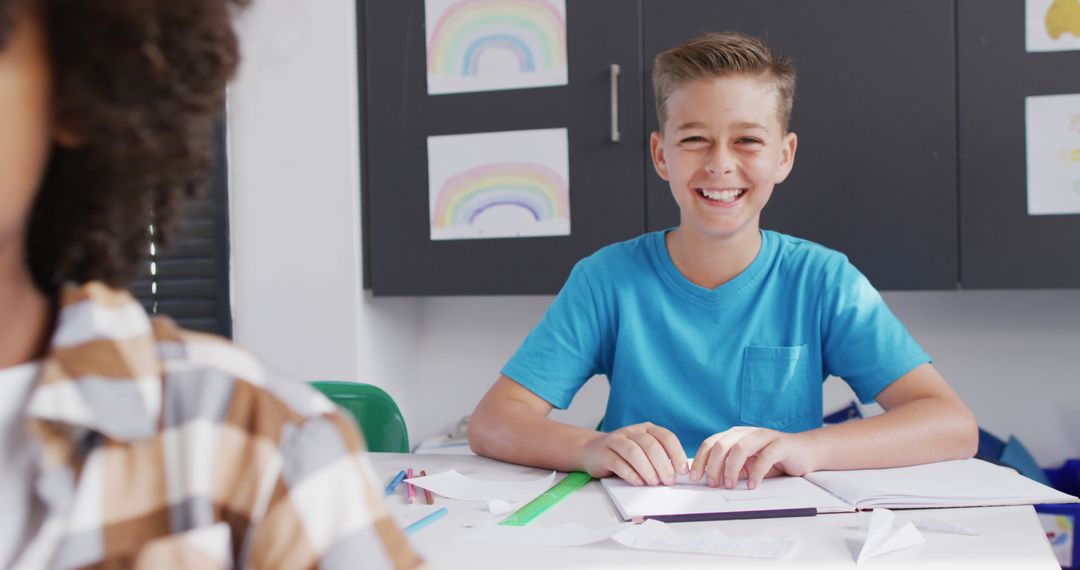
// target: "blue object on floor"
[[851, 412], [1015, 455], [990, 446]]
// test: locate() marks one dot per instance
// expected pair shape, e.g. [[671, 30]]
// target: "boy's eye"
[[749, 140], [692, 140]]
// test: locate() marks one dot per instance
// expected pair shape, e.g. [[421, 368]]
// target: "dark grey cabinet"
[[1001, 245], [910, 118], [606, 197]]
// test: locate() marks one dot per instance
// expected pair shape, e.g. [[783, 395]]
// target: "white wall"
[[293, 146]]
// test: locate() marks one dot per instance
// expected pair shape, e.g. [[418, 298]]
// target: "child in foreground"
[[127, 441], [716, 335]]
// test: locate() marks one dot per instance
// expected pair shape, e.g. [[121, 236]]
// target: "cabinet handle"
[[615, 136]]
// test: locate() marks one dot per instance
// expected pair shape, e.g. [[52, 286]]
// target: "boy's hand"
[[641, 454], [753, 453]]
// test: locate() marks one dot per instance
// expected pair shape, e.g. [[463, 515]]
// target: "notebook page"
[[964, 482], [683, 499]]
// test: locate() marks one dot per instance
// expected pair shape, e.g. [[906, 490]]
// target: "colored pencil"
[[393, 484], [425, 521], [427, 492], [409, 487]]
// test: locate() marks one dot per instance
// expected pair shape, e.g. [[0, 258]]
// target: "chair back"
[[378, 416]]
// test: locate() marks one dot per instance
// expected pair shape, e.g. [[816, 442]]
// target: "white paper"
[[500, 507], [1052, 25], [959, 483], [1053, 153], [882, 538], [655, 535], [569, 534], [931, 524], [696, 498], [454, 485], [499, 184], [483, 45]]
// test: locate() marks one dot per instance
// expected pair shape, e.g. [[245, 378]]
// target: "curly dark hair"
[[139, 84]]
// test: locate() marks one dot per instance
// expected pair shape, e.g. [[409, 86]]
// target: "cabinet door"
[[605, 177], [875, 111], [1001, 245]]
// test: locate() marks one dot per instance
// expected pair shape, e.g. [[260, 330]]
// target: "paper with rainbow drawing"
[[485, 45], [499, 185]]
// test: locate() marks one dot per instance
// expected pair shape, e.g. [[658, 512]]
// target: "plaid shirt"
[[162, 448]]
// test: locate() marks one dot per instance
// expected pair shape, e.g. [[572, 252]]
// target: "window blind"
[[190, 280]]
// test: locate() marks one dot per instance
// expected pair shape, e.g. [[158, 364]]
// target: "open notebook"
[[961, 483]]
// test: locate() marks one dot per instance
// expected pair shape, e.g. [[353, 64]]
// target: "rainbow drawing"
[[536, 188], [529, 36]]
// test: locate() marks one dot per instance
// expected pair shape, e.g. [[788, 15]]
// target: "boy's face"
[[722, 150], [25, 125]]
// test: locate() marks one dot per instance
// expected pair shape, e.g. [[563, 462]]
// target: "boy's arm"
[[924, 421], [510, 424]]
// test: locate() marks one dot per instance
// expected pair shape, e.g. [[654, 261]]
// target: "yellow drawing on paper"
[[1063, 17]]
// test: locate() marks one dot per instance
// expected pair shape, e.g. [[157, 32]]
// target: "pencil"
[[409, 486], [393, 484], [411, 529], [427, 492]]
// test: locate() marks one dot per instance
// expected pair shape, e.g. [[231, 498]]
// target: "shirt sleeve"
[[864, 342], [325, 509], [565, 348]]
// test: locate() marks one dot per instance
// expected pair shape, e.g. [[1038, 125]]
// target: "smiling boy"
[[716, 336]]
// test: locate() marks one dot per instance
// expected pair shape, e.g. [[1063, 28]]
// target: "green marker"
[[572, 482]]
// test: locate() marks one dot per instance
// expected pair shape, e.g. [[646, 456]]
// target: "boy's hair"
[[719, 54], [138, 85]]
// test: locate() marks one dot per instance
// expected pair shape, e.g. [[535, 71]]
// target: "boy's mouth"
[[726, 195]]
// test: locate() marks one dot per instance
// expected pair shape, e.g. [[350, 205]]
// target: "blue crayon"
[[393, 484], [425, 521]]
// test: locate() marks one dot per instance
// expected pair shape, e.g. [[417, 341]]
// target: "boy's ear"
[[787, 157], [656, 149]]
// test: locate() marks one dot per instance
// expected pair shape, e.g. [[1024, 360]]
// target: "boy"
[[126, 441], [716, 335]]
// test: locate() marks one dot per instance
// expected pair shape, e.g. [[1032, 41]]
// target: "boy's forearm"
[[520, 436], [920, 431]]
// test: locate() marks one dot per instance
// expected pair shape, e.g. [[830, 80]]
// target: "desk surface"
[[1009, 537]]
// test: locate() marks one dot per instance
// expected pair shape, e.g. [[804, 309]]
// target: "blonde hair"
[[718, 54]]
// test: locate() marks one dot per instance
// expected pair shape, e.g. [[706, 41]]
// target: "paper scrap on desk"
[[655, 535], [931, 524], [500, 507], [568, 534], [454, 485], [881, 538]]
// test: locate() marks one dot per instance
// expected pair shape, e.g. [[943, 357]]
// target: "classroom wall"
[[297, 302]]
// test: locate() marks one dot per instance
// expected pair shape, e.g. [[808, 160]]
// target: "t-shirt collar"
[[677, 280]]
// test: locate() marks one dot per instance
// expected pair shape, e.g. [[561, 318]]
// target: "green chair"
[[378, 416]]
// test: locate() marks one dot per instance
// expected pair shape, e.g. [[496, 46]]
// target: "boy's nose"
[[719, 162]]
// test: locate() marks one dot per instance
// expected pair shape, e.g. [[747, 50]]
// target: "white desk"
[[1010, 537]]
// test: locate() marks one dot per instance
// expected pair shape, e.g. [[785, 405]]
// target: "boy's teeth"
[[721, 195]]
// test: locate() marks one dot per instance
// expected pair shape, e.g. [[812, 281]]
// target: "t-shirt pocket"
[[775, 385]]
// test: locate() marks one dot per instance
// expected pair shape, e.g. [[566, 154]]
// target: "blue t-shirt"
[[754, 351]]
